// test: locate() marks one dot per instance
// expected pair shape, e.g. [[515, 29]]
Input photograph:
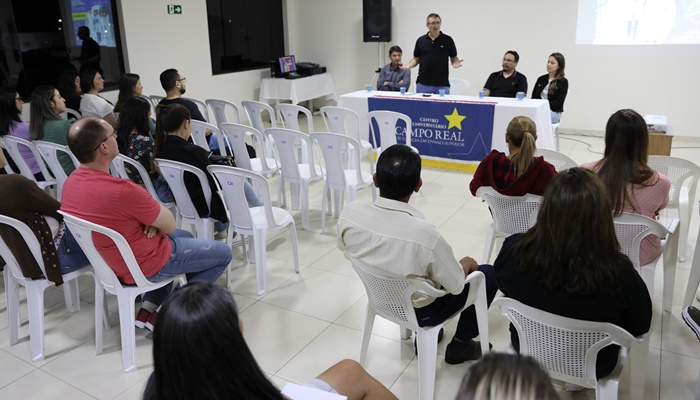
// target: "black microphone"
[[378, 70]]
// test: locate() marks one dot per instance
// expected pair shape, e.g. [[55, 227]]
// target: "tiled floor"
[[308, 321]]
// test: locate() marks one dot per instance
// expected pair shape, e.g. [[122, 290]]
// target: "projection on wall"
[[96, 15], [632, 22]]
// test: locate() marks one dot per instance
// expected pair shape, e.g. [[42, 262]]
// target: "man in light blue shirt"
[[392, 78]]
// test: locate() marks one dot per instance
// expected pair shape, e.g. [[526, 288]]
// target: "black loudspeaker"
[[376, 20]]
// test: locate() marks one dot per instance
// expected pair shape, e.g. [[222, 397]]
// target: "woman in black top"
[[570, 264], [553, 86]]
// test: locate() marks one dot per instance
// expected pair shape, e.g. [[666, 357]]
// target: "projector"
[[657, 123]]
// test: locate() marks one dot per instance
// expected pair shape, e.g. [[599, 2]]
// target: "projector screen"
[[96, 15], [630, 22]]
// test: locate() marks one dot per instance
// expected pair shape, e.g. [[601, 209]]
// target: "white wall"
[[652, 80]]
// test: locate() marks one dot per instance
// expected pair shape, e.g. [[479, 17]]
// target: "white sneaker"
[[570, 387], [221, 235]]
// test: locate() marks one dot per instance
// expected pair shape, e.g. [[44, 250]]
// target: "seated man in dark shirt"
[[391, 77], [507, 82]]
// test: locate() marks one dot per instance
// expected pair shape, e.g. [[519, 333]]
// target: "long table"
[[475, 126], [298, 90]]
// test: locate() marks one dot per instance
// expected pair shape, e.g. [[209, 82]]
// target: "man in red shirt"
[[161, 251]]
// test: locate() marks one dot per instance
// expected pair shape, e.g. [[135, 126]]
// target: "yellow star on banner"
[[455, 119]]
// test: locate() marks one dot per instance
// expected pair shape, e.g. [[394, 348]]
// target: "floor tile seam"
[[66, 383], [277, 373]]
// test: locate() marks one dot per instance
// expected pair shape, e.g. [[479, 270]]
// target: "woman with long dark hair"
[[69, 86], [11, 106], [92, 105], [199, 353], [633, 186], [129, 86], [46, 124], [133, 136], [553, 86], [519, 172], [569, 263]]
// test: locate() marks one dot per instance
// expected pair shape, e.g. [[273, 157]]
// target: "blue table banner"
[[456, 130]]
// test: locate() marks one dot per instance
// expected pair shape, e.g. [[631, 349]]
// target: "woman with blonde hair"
[[519, 172], [634, 187]]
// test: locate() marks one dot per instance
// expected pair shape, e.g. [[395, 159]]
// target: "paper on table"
[[297, 392]]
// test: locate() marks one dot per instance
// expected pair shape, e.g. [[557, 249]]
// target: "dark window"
[[39, 40], [244, 34]]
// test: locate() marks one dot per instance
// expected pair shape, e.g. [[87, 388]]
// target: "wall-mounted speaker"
[[376, 20]]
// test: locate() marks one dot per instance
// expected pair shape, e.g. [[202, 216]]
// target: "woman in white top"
[[92, 105]]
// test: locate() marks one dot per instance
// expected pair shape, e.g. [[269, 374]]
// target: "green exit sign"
[[174, 9]]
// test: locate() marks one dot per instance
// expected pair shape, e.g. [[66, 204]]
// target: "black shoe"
[[691, 316], [459, 352], [415, 341]]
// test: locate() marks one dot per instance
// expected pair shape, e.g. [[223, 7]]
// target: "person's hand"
[[457, 64], [469, 265], [150, 231], [386, 83], [405, 66]]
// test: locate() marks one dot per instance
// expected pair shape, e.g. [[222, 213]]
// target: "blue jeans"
[[198, 259], [163, 190], [556, 117], [420, 88]]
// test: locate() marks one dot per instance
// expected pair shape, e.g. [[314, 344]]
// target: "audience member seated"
[[391, 77], [570, 264], [520, 172], [221, 365], [161, 251], [46, 124], [11, 105], [136, 142], [92, 105], [69, 86], [20, 198], [173, 130], [633, 186], [507, 82], [498, 376], [392, 236], [553, 86], [129, 86]]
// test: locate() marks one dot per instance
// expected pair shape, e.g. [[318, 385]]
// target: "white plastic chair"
[[71, 113], [631, 229], [684, 176], [295, 172], [511, 214], [560, 161], [174, 174], [202, 107], [121, 165], [218, 108], [155, 100], [200, 139], [49, 151], [35, 288], [346, 122], [83, 232], [389, 296], [289, 116], [255, 221], [568, 348], [459, 86], [236, 134], [386, 122], [255, 110], [338, 177], [12, 144]]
